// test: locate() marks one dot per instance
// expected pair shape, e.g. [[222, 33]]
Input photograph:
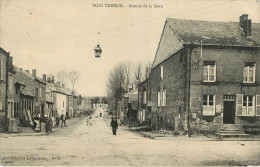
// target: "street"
[[79, 144]]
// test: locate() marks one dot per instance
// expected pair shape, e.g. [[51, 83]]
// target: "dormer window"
[[209, 73]]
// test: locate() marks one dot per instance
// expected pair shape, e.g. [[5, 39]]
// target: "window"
[[245, 105], [248, 108], [209, 73], [1, 70], [162, 98], [208, 105], [17, 88], [144, 97], [161, 72], [159, 98], [249, 73]]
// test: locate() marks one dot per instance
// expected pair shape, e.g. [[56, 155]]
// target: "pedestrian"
[[87, 122], [114, 125], [63, 120]]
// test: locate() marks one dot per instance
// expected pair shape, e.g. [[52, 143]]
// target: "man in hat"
[[114, 125]]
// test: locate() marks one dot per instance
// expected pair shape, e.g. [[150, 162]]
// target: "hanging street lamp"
[[98, 51]]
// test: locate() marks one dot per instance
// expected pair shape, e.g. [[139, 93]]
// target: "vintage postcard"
[[129, 82]]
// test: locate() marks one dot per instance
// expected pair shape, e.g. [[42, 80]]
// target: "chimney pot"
[[34, 72], [44, 77], [58, 83], [27, 71]]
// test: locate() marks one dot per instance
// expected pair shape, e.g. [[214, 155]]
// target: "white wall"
[[61, 104]]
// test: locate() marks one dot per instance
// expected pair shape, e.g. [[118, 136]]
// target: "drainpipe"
[[6, 94], [189, 130]]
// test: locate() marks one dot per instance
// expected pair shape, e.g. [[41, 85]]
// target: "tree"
[[138, 73], [73, 77], [116, 84], [104, 100], [62, 76], [148, 68], [128, 74], [95, 100]]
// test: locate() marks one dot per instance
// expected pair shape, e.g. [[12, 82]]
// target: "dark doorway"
[[229, 112], [42, 110]]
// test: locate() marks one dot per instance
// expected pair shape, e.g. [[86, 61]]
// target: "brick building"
[[205, 75]]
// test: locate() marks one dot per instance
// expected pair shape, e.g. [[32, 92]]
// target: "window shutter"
[[239, 104], [164, 97], [257, 107], [159, 98], [161, 72]]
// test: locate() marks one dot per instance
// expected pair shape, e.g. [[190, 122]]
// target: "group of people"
[[113, 123]]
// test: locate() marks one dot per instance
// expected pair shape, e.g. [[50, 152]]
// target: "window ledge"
[[247, 115], [250, 84], [209, 83], [209, 115]]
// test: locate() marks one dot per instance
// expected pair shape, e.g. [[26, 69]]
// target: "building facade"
[[205, 75]]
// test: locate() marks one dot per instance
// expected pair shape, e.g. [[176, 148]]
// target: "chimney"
[[52, 79], [27, 71], [245, 24], [44, 77], [34, 72], [49, 79], [10, 62], [21, 69], [58, 83], [63, 85]]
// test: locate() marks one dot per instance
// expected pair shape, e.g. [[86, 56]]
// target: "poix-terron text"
[[128, 5]]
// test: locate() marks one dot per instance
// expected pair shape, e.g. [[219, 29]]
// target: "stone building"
[[205, 75]]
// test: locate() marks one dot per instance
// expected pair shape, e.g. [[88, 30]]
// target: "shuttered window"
[[164, 97], [239, 104], [245, 105]]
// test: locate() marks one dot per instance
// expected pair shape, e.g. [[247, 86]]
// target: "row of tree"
[[123, 76], [71, 77]]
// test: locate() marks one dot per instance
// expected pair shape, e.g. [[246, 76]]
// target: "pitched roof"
[[178, 32]]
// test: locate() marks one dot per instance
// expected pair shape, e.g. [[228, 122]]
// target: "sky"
[[56, 35]]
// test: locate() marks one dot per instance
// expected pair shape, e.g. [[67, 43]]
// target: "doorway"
[[229, 109]]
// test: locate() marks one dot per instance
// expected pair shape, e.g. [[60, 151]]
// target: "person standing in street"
[[63, 120], [114, 125]]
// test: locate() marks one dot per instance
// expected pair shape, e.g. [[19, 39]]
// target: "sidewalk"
[[28, 131], [198, 137]]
